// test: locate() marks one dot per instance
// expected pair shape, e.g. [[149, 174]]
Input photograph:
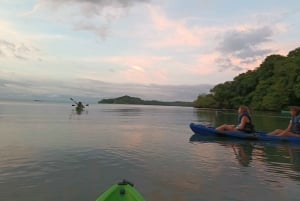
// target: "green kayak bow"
[[123, 191]]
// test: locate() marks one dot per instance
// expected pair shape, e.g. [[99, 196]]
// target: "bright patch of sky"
[[87, 45]]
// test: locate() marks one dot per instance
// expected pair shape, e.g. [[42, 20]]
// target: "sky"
[[156, 50]]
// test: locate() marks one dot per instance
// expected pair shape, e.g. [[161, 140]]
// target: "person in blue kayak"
[[293, 128], [244, 122]]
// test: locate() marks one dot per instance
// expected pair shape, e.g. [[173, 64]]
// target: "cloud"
[[88, 15], [169, 33], [226, 63], [142, 69], [244, 45], [138, 68], [16, 50], [245, 42], [16, 45], [95, 90], [143, 61], [93, 4]]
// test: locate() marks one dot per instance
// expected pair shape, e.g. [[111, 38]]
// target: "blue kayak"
[[263, 136]]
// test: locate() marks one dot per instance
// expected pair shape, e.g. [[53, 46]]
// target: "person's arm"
[[289, 126]]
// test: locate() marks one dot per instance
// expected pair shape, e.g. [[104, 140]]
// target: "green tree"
[[205, 101], [274, 85]]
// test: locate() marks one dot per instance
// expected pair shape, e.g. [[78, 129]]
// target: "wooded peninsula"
[[273, 86], [138, 101]]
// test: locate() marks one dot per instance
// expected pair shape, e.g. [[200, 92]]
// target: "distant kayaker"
[[293, 128], [79, 105], [244, 122]]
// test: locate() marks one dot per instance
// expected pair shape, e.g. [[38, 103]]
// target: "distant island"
[[138, 101]]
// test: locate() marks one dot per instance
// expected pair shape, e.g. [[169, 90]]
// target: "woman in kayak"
[[293, 128], [244, 122]]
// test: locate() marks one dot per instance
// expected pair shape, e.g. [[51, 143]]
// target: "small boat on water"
[[122, 191], [258, 135]]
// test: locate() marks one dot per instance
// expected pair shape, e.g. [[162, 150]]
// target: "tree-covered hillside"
[[273, 86], [137, 101]]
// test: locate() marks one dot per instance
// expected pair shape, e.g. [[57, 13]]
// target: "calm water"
[[49, 152]]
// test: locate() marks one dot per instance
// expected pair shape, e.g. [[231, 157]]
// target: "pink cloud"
[[138, 60], [204, 64], [144, 76], [172, 33], [140, 69]]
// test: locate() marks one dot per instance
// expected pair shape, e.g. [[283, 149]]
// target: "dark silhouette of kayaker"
[[79, 106], [244, 122]]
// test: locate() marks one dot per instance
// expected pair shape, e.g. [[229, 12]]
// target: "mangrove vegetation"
[[273, 86]]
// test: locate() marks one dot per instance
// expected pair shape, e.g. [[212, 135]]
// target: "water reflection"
[[283, 159], [47, 155], [128, 111], [242, 149], [75, 114], [278, 158], [243, 153]]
